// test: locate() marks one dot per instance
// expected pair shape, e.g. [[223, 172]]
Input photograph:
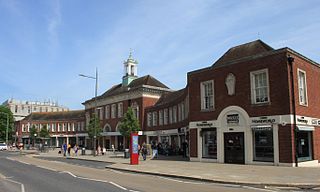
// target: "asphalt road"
[[25, 173]]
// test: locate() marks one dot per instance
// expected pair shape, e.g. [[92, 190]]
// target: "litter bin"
[[83, 151], [126, 153]]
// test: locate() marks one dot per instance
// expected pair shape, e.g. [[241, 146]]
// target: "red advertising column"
[[134, 152]]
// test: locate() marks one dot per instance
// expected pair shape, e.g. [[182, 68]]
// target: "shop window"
[[302, 87], [209, 143], [260, 86], [263, 144], [304, 145]]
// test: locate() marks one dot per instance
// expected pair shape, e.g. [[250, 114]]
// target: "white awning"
[[261, 127], [305, 128]]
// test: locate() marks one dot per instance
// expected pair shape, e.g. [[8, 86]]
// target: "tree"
[[44, 132], [94, 128], [4, 113], [33, 133], [129, 124]]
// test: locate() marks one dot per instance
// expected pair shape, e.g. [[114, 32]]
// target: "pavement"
[[259, 175]]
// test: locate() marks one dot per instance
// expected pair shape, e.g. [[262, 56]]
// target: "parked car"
[[3, 146]]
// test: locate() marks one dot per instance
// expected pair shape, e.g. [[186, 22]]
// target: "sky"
[[45, 45]]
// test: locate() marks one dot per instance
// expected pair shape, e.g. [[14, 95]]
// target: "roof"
[[170, 97], [56, 116], [243, 51], [147, 80]]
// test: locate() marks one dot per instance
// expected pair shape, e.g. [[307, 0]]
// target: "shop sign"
[[315, 122], [233, 119], [204, 124], [263, 120], [302, 120]]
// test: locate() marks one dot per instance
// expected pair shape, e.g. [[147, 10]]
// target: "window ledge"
[[260, 104], [207, 110]]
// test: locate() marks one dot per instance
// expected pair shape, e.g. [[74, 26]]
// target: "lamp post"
[[7, 126], [95, 107]]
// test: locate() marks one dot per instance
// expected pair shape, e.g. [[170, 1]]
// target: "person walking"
[[154, 147], [75, 148], [144, 151], [69, 149], [64, 149], [185, 147]]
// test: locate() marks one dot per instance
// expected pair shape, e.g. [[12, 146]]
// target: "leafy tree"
[[94, 127], [44, 132], [3, 123], [32, 133], [129, 124]]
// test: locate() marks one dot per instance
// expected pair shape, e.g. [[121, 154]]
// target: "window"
[[100, 113], [174, 114], [179, 112], [23, 128], [166, 116], [154, 118], [304, 142], [260, 86], [113, 110], [53, 127], [149, 122], [16, 109], [263, 144], [161, 117], [170, 115], [209, 143], [302, 87], [73, 127], [120, 109], [107, 112], [182, 111], [207, 95]]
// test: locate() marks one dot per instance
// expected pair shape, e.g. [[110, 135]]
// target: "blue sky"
[[44, 45]]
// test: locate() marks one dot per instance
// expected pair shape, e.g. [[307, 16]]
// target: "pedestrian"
[[154, 148], [69, 149], [75, 148], [185, 147], [99, 150], [144, 151], [64, 149]]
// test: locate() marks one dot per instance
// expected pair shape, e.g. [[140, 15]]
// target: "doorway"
[[234, 147]]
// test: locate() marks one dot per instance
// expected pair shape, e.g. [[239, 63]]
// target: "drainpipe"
[[290, 61]]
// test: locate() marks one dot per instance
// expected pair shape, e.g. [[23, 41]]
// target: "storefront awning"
[[261, 127], [305, 128]]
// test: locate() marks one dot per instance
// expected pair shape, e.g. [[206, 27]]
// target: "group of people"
[[162, 149], [67, 149]]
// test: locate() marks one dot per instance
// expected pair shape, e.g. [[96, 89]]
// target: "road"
[[29, 174]]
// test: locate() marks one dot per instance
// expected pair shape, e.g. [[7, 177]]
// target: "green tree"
[[4, 113], [44, 132], [129, 124], [94, 128], [33, 134]]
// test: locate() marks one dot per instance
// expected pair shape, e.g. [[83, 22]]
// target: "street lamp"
[[95, 107], [7, 126]]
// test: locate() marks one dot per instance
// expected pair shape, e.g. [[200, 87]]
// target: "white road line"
[[24, 162], [119, 186], [9, 158], [179, 181], [69, 173], [258, 189], [16, 182], [46, 168], [133, 190]]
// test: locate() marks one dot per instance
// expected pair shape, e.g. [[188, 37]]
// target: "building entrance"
[[234, 148]]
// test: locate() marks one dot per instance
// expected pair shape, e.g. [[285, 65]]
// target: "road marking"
[[24, 162], [46, 168], [179, 181], [69, 173], [16, 182], [119, 186]]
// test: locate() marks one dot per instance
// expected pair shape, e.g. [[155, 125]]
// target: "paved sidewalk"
[[215, 172]]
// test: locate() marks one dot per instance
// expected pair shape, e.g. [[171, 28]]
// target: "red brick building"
[[64, 127], [136, 92], [256, 105]]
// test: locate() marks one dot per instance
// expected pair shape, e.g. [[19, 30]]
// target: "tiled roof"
[[137, 83], [56, 116], [170, 97], [243, 51]]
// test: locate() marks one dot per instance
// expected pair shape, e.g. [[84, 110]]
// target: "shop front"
[[236, 138]]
